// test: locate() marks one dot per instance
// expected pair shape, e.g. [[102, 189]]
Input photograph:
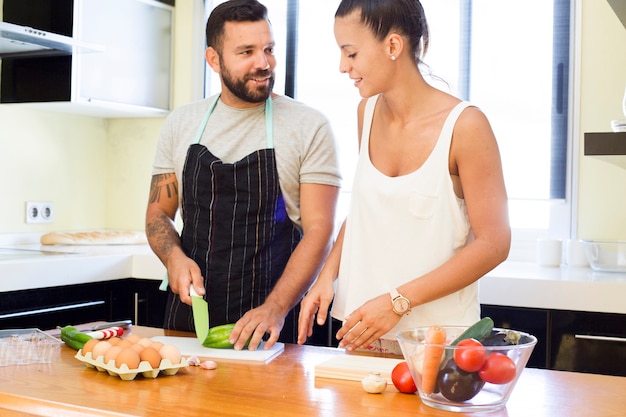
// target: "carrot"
[[435, 339]]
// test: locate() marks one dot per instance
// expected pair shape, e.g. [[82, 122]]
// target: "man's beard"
[[240, 90]]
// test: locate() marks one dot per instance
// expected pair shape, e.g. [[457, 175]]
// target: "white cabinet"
[[131, 75]]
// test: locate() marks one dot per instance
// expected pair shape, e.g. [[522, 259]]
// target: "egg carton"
[[166, 367], [27, 346]]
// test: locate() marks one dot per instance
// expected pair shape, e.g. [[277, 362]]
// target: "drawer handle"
[[51, 309], [604, 338]]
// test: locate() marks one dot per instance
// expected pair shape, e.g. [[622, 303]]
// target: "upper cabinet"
[[619, 6], [103, 58]]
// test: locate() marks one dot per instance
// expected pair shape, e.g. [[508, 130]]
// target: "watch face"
[[401, 305]]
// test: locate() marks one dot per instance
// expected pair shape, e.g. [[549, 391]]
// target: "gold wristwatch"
[[399, 303]]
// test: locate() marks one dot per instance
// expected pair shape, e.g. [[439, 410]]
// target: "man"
[[256, 177]]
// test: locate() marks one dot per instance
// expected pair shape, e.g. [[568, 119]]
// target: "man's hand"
[[255, 324], [182, 272]]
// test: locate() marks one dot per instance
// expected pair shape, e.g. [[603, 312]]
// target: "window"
[[510, 58]]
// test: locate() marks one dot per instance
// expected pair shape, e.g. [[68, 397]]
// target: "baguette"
[[96, 237]]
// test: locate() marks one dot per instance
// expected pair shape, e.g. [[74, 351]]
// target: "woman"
[[428, 215]]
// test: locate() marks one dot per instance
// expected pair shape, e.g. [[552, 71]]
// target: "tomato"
[[402, 379], [470, 355], [498, 369]]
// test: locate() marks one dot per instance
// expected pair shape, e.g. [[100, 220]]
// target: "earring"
[[393, 57]]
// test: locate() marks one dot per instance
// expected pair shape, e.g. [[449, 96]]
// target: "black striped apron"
[[236, 228]]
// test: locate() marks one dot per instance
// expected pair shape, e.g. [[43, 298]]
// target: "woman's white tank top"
[[399, 228]]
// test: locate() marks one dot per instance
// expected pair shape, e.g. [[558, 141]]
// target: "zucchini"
[[478, 331]]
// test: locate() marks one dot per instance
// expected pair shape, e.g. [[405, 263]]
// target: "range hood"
[[22, 41]]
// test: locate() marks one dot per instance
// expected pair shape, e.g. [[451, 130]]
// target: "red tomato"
[[402, 379], [470, 355], [498, 369]]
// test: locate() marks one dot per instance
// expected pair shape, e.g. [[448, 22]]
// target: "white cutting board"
[[355, 367], [189, 346]]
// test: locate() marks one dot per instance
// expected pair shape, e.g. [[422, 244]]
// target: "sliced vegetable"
[[498, 369], [433, 351], [470, 355], [457, 385], [402, 378], [73, 337], [218, 337]]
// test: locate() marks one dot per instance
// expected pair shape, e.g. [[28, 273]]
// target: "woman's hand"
[[367, 323], [317, 301]]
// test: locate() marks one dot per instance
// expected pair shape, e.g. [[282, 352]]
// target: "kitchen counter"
[[518, 284], [286, 386]]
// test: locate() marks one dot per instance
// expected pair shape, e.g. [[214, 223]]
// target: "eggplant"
[[457, 385]]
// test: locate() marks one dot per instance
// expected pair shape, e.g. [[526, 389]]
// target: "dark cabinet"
[[147, 302], [576, 341], [588, 342], [529, 320], [45, 308]]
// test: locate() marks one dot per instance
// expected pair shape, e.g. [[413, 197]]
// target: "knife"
[[122, 323], [200, 309]]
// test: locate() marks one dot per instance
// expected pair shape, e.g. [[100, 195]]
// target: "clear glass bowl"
[[606, 256], [453, 386]]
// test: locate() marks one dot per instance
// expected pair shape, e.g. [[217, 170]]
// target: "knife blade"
[[200, 309], [124, 324]]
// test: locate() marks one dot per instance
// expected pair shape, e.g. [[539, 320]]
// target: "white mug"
[[574, 253], [549, 252]]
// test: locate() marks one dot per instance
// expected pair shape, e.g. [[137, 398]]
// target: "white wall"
[[602, 185]]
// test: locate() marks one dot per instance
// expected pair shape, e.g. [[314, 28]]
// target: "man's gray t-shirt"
[[305, 147]]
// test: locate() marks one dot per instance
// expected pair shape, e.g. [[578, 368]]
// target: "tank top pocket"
[[422, 206]]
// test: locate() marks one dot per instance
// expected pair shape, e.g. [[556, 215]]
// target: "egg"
[[112, 353], [100, 349], [124, 343], [88, 347], [114, 340], [133, 338], [170, 352], [137, 347], [156, 346], [151, 356], [128, 357], [144, 341]]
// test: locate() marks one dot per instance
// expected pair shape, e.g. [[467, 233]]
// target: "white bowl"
[[618, 125], [606, 256]]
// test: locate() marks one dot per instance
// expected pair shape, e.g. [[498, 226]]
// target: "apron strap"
[[269, 125], [269, 122]]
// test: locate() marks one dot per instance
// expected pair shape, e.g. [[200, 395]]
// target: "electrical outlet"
[[39, 212]]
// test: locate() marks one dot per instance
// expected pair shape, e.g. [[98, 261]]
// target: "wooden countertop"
[[284, 387]]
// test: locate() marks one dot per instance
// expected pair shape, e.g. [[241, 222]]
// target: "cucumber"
[[478, 331], [74, 338], [218, 337]]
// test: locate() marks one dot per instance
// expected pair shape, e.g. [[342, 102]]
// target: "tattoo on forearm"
[[163, 183], [163, 234]]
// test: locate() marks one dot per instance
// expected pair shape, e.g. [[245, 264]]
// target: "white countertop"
[[518, 284]]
